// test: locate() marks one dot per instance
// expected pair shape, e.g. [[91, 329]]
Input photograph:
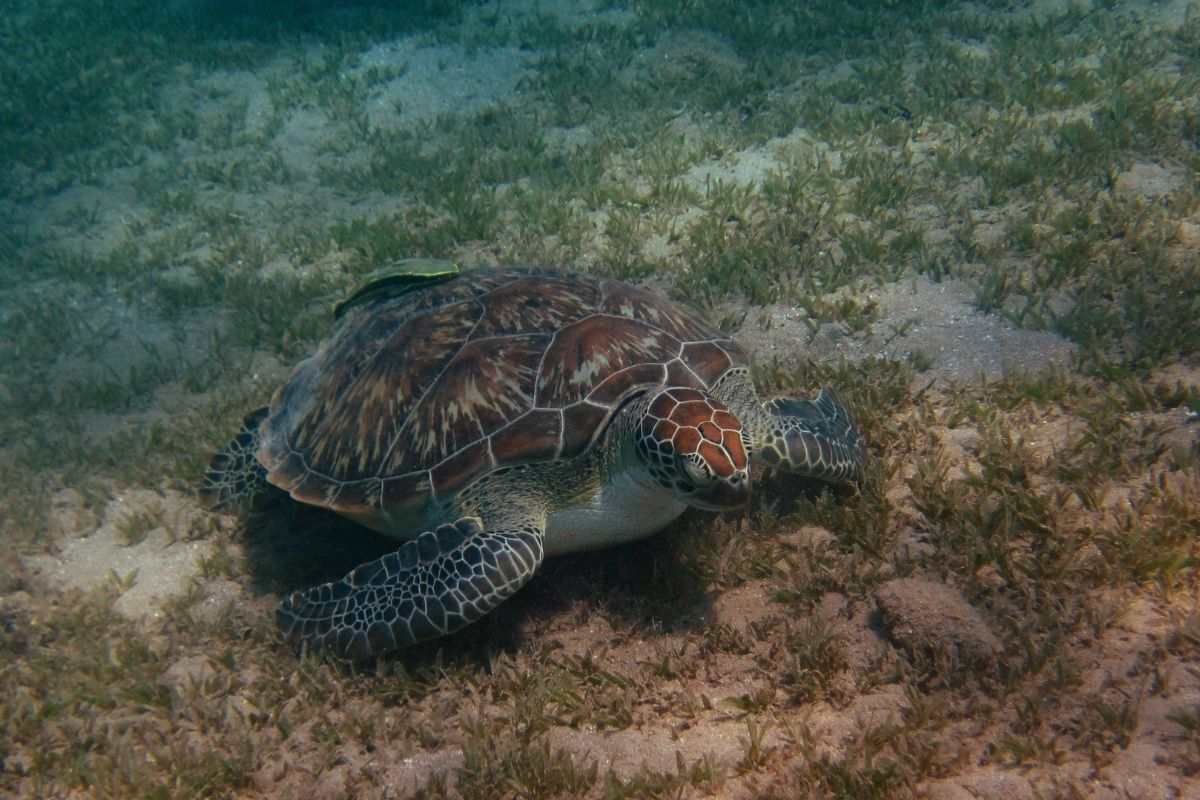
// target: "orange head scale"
[[694, 446]]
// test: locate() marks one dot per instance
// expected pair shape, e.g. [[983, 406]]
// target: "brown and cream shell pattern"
[[419, 394]]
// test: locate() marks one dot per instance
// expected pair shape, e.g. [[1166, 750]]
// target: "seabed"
[[980, 221]]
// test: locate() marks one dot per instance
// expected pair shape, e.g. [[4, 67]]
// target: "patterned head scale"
[[694, 446]]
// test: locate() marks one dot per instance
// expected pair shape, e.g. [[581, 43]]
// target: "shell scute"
[[401, 491], [535, 303], [618, 385], [534, 436], [486, 385], [708, 359], [591, 350], [360, 494], [623, 300], [581, 423], [344, 407], [458, 469]]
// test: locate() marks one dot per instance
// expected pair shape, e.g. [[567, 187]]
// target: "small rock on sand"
[[923, 614]]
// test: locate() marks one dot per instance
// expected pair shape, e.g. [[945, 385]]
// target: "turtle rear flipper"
[[433, 585], [234, 477]]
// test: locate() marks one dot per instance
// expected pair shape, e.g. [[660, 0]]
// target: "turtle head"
[[694, 446]]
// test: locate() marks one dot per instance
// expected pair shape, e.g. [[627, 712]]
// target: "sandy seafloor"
[[81, 549]]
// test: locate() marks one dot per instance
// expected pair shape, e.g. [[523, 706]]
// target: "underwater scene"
[[599, 399]]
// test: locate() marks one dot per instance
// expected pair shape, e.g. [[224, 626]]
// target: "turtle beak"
[[725, 494]]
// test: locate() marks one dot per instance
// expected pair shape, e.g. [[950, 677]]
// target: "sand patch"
[[145, 545], [1148, 181], [915, 317], [431, 80]]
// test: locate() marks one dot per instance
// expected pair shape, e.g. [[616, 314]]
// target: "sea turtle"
[[497, 416]]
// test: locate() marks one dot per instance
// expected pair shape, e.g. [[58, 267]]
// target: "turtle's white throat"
[[630, 506]]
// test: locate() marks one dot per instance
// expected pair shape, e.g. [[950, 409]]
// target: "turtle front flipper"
[[433, 585], [812, 437]]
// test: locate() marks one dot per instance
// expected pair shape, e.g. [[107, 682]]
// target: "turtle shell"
[[414, 396]]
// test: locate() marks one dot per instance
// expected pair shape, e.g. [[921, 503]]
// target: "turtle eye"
[[696, 469]]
